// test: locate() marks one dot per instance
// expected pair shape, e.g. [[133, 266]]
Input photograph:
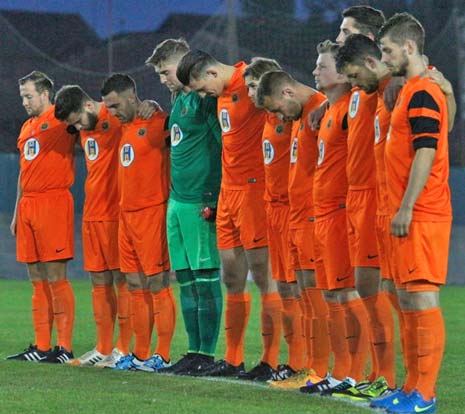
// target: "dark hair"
[[269, 84], [70, 98], [166, 50], [354, 51], [260, 65], [118, 83], [328, 46], [367, 19], [41, 82], [193, 64], [403, 26]]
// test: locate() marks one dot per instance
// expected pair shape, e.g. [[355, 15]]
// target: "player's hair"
[[270, 83], [402, 27], [327, 46], [118, 83], [70, 98], [366, 19], [354, 51], [260, 65], [193, 65], [41, 81], [167, 49]]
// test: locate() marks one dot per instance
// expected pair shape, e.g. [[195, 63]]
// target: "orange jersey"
[[330, 179], [303, 159], [46, 154], [276, 145], [382, 122], [242, 128], [101, 153], [144, 162], [419, 120], [360, 154]]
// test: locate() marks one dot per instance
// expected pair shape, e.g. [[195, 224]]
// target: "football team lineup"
[[335, 199]]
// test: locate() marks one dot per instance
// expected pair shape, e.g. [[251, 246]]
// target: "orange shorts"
[[241, 218], [384, 241], [301, 250], [45, 227], [423, 254], [100, 245], [277, 216], [142, 240], [361, 228], [332, 261]]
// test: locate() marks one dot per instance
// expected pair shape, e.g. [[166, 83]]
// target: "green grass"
[[42, 388]]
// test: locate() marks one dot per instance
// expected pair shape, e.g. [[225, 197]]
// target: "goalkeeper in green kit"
[[195, 183]]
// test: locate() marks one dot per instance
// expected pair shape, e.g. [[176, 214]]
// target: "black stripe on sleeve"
[[423, 99], [425, 142], [345, 124], [424, 125]]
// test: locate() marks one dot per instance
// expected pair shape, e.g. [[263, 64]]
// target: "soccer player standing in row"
[[195, 182], [43, 219], [279, 93], [241, 218], [144, 186], [100, 134], [417, 170]]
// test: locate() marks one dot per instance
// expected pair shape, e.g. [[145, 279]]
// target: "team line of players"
[[344, 192]]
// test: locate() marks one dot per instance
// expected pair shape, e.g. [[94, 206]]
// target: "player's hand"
[[401, 222], [147, 109], [437, 77], [13, 226], [392, 90], [316, 115]]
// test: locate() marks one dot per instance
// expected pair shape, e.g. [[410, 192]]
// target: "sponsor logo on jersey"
[[354, 103], [126, 155], [44, 126], [225, 121], [31, 149], [142, 132], [176, 135], [235, 98], [268, 152], [280, 129], [105, 125], [91, 149], [294, 150], [321, 152], [377, 130]]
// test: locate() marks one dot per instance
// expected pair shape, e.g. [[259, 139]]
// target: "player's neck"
[[226, 73], [46, 107], [416, 67], [304, 93], [97, 107], [335, 92]]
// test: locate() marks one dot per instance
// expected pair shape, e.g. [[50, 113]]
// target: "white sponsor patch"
[[176, 135], [127, 155], [268, 152], [354, 103], [294, 151], [321, 152], [31, 149], [91, 149], [225, 121]]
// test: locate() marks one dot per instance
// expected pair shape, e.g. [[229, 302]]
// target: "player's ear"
[[88, 105], [212, 72], [370, 62], [410, 46], [287, 92]]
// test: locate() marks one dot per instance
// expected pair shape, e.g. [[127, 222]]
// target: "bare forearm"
[[451, 110]]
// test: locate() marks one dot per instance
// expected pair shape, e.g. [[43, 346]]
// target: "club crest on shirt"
[[91, 149], [176, 135], [225, 121], [280, 129], [31, 149], [184, 111], [44, 126], [268, 152], [377, 130], [294, 150], [126, 155], [354, 103], [142, 132], [235, 98], [105, 125], [321, 152]]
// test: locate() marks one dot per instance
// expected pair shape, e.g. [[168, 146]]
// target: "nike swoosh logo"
[[422, 409], [257, 240], [204, 260], [163, 263], [312, 260], [411, 270], [372, 257], [340, 279], [59, 250]]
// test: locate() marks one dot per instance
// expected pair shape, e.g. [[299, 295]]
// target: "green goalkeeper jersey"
[[195, 149]]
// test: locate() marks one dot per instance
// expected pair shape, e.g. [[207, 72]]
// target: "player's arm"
[[391, 91], [317, 114], [147, 109], [19, 194]]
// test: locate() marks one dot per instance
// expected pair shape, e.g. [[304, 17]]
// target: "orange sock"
[[271, 328], [431, 337], [400, 318], [320, 344], [236, 319], [410, 350], [307, 315], [293, 332], [381, 334], [337, 336], [124, 318], [104, 305], [164, 317], [357, 337], [42, 314], [63, 312], [142, 321]]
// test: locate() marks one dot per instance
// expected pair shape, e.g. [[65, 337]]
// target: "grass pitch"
[[42, 388]]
